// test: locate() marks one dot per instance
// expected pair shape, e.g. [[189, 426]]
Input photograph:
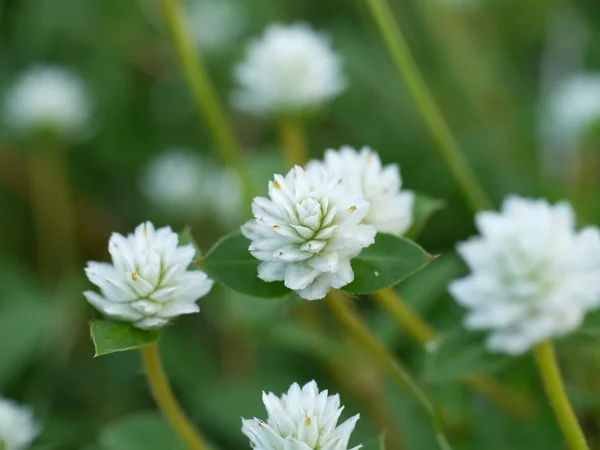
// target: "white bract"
[[148, 282], [307, 232], [302, 419], [215, 24], [50, 99], [391, 209], [18, 427], [289, 70], [533, 275]]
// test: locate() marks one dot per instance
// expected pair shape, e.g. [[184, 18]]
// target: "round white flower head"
[[308, 231], [148, 282], [50, 99], [533, 276], [215, 24], [391, 208], [18, 427], [302, 419], [289, 70]]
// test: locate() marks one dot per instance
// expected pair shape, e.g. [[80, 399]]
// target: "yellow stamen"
[[352, 208], [277, 185], [308, 421], [134, 276]]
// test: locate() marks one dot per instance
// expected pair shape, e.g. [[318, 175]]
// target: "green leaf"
[[387, 262], [2, 444], [230, 263], [424, 207], [460, 354], [146, 431], [110, 337]]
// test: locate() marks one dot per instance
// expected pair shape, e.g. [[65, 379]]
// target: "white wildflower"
[[48, 99], [215, 25], [148, 282], [289, 70], [533, 275], [308, 231], [302, 419], [18, 427], [391, 208]]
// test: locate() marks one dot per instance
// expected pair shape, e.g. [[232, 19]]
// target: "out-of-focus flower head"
[[18, 428], [215, 25], [288, 71]]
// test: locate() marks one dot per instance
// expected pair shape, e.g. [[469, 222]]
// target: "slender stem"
[[161, 390], [555, 390], [339, 305], [206, 97], [293, 141], [447, 145], [423, 333]]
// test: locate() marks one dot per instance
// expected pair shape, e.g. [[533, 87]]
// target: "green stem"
[[162, 393], [338, 303], [206, 97], [555, 390], [293, 141], [447, 145]]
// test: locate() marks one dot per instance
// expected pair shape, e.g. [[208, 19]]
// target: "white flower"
[[302, 419], [184, 183], [149, 281], [391, 208], [289, 70], [533, 276], [48, 98], [215, 24], [18, 427]]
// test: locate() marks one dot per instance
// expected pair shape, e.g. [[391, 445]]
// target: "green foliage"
[[387, 262], [424, 207], [460, 354], [111, 337]]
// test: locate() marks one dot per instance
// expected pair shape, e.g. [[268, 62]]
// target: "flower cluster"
[[302, 419], [289, 70], [533, 275], [18, 427], [148, 282], [48, 99]]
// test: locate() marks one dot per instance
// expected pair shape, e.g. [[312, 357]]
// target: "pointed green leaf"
[[110, 337], [460, 354], [424, 207], [387, 262], [230, 263]]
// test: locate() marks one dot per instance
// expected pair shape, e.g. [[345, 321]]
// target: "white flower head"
[[18, 427], [302, 419], [148, 282], [48, 98], [215, 25], [289, 70], [391, 209], [307, 232], [533, 275]]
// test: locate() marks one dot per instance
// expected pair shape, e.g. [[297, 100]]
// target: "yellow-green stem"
[[293, 141], [206, 97], [446, 144], [423, 333], [555, 390], [163, 395], [338, 303]]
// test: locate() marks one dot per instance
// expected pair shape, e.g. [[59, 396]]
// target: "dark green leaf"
[[230, 263], [111, 337], [460, 354], [140, 432], [387, 262], [424, 207]]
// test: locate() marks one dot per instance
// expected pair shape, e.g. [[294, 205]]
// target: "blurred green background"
[[486, 63]]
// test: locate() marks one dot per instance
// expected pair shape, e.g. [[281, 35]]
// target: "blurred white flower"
[[182, 182], [533, 275], [289, 70], [215, 25], [302, 419], [18, 427], [362, 172], [308, 231], [148, 282], [48, 98]]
